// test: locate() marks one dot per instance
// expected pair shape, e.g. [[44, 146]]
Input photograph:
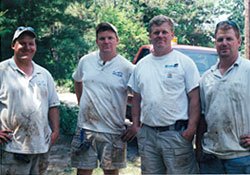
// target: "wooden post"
[[247, 28]]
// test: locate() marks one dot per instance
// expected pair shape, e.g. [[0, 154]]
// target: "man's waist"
[[179, 125]]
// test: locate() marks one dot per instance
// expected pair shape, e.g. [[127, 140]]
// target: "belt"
[[180, 125], [162, 128]]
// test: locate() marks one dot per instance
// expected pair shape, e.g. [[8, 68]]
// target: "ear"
[[117, 39], [172, 35], [13, 45], [239, 41]]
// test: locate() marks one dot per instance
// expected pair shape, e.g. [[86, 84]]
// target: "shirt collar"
[[236, 63], [15, 67]]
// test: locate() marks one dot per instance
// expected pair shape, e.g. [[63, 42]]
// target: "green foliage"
[[61, 34], [68, 119], [190, 19], [65, 85], [66, 29]]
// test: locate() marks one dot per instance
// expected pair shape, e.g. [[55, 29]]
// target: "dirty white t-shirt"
[[24, 104], [164, 83], [104, 96], [225, 103]]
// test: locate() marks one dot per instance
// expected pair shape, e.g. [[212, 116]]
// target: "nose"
[[160, 34], [106, 40], [26, 46], [224, 42]]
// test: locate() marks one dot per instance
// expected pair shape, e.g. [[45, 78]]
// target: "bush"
[[68, 119]]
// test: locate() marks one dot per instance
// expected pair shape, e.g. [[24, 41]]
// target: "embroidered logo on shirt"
[[171, 65], [117, 73], [169, 74]]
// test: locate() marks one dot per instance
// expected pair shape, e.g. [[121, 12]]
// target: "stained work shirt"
[[164, 83], [225, 103], [104, 95], [24, 104]]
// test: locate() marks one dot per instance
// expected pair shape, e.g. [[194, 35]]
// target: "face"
[[107, 42], [161, 37], [227, 44], [24, 47]]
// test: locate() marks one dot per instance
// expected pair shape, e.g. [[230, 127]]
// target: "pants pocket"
[[80, 141]]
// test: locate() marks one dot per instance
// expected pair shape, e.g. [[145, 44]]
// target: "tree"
[[60, 32], [247, 28], [66, 29]]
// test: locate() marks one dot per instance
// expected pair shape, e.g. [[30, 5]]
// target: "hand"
[[5, 136], [54, 137], [130, 133], [245, 141], [188, 134]]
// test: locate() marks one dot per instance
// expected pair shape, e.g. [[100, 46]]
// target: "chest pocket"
[[173, 78]]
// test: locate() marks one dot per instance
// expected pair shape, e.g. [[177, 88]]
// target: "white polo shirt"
[[24, 104], [225, 103], [164, 83], [104, 96]]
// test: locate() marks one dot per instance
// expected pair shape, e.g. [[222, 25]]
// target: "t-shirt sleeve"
[[78, 73]]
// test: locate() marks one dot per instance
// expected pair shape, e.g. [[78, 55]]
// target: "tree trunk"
[[247, 29]]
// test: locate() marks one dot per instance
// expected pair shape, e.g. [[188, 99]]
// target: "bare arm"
[[78, 90], [194, 114], [136, 111], [201, 129], [54, 123]]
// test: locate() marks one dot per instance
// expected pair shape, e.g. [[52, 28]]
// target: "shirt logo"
[[117, 73], [171, 65]]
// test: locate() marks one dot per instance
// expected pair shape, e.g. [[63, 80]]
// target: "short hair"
[[227, 25], [104, 26], [159, 20]]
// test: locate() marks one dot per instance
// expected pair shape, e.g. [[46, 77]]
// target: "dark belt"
[[180, 125]]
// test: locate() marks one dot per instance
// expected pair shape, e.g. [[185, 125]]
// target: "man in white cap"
[[29, 117]]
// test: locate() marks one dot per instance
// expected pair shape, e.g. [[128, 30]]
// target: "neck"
[[225, 64], [161, 52], [25, 66], [107, 57]]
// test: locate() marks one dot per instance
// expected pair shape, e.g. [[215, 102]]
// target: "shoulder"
[[124, 64], [181, 56], [124, 61], [4, 63], [145, 60], [41, 70], [245, 62], [89, 56]]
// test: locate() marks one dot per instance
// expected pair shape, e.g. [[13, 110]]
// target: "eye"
[[164, 32], [156, 33], [219, 39], [101, 38], [229, 39]]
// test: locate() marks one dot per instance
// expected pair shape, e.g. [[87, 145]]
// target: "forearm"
[[54, 119], [201, 129], [78, 90], [131, 131], [194, 110], [136, 109]]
